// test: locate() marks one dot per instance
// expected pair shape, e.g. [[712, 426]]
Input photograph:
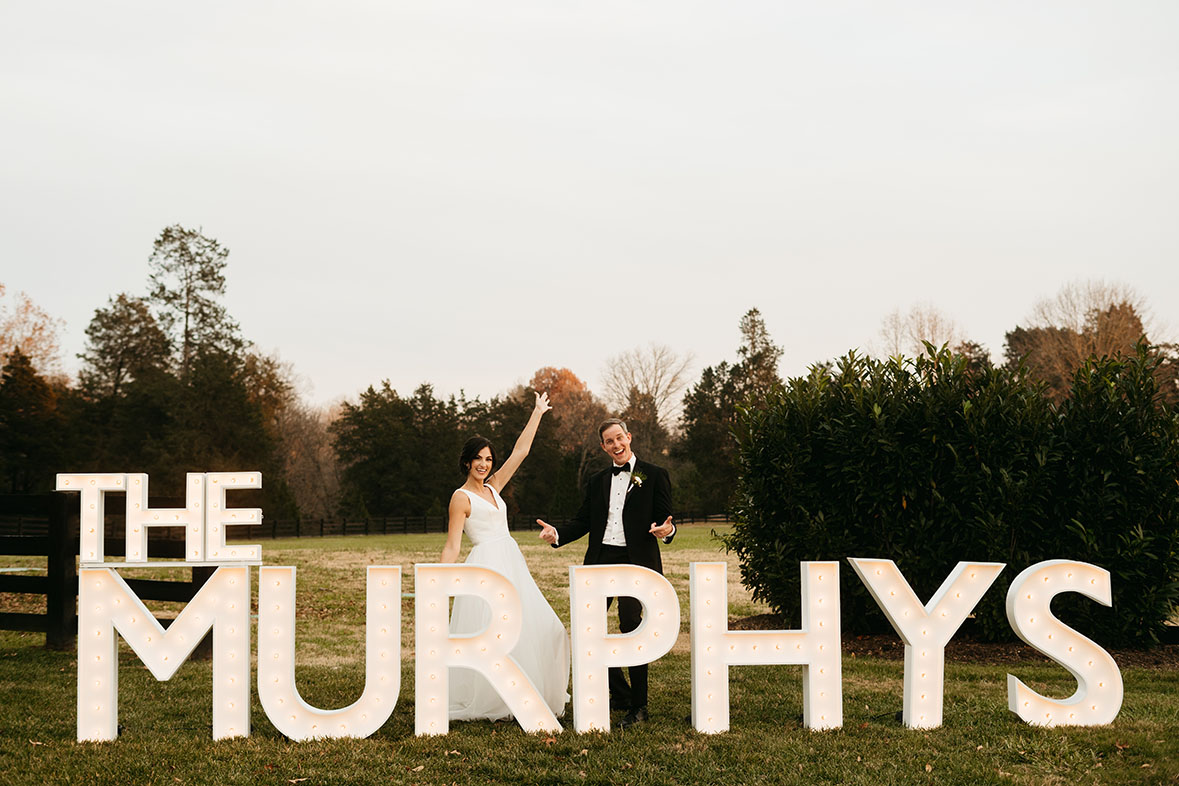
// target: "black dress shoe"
[[634, 716]]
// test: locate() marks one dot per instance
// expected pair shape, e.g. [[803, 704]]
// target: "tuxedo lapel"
[[632, 489]]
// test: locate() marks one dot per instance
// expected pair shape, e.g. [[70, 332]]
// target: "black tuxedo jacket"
[[645, 504]]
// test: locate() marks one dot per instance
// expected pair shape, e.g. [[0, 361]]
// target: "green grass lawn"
[[167, 725]]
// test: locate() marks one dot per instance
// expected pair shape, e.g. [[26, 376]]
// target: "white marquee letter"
[[925, 629], [1099, 683], [276, 658], [487, 652], [816, 646], [140, 517], [218, 517], [595, 650], [107, 604], [91, 519]]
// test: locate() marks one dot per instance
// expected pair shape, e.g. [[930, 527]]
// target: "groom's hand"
[[662, 530], [547, 533]]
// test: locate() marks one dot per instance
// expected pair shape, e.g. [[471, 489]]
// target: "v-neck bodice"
[[488, 520]]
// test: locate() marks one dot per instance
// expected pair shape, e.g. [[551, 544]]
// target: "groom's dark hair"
[[471, 450], [611, 422]]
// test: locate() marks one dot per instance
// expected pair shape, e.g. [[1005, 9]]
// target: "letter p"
[[595, 650]]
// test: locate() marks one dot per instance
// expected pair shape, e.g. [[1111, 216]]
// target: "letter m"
[[106, 604]]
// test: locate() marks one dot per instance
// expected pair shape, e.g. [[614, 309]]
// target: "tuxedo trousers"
[[630, 614]]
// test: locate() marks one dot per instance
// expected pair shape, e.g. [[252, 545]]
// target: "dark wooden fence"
[[404, 525], [47, 525], [56, 542]]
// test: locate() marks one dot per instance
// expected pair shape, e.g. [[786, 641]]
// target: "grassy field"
[[167, 725]]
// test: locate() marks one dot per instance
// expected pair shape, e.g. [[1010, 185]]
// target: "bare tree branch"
[[657, 371], [1084, 319], [904, 334]]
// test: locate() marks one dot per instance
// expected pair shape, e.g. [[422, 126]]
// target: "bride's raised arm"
[[522, 446]]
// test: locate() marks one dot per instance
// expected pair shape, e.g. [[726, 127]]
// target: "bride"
[[477, 508]]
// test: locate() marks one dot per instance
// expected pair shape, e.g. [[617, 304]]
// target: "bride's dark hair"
[[471, 450]]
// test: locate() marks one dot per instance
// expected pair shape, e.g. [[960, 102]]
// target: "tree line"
[[169, 384]]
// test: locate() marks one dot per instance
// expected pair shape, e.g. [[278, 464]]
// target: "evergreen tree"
[[398, 453], [757, 372], [187, 284], [31, 428], [711, 407], [123, 341], [642, 419]]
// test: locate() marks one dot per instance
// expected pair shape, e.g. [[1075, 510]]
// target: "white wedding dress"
[[543, 648]]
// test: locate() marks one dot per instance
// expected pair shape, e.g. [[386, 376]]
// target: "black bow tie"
[[617, 469]]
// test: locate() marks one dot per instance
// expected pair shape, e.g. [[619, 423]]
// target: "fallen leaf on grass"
[[453, 753], [864, 725], [929, 768], [34, 742], [295, 780], [1120, 746], [1144, 766], [418, 768], [549, 740], [584, 752]]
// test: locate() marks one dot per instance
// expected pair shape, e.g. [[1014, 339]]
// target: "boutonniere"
[[636, 480]]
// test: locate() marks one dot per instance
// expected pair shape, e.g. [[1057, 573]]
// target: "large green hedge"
[[934, 460]]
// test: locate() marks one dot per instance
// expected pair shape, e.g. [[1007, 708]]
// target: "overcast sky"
[[463, 192]]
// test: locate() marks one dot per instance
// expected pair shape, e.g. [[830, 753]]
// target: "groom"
[[626, 512]]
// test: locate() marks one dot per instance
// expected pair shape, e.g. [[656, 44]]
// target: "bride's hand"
[[542, 403]]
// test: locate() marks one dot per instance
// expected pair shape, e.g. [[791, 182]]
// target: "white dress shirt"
[[614, 535]]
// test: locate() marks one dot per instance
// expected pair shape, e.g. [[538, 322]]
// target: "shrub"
[[1116, 489], [934, 460]]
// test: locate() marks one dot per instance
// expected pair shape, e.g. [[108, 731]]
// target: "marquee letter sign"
[[925, 629], [488, 652], [595, 650], [204, 517], [93, 488], [816, 647], [219, 516], [1099, 683], [276, 658], [140, 517], [107, 605]]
